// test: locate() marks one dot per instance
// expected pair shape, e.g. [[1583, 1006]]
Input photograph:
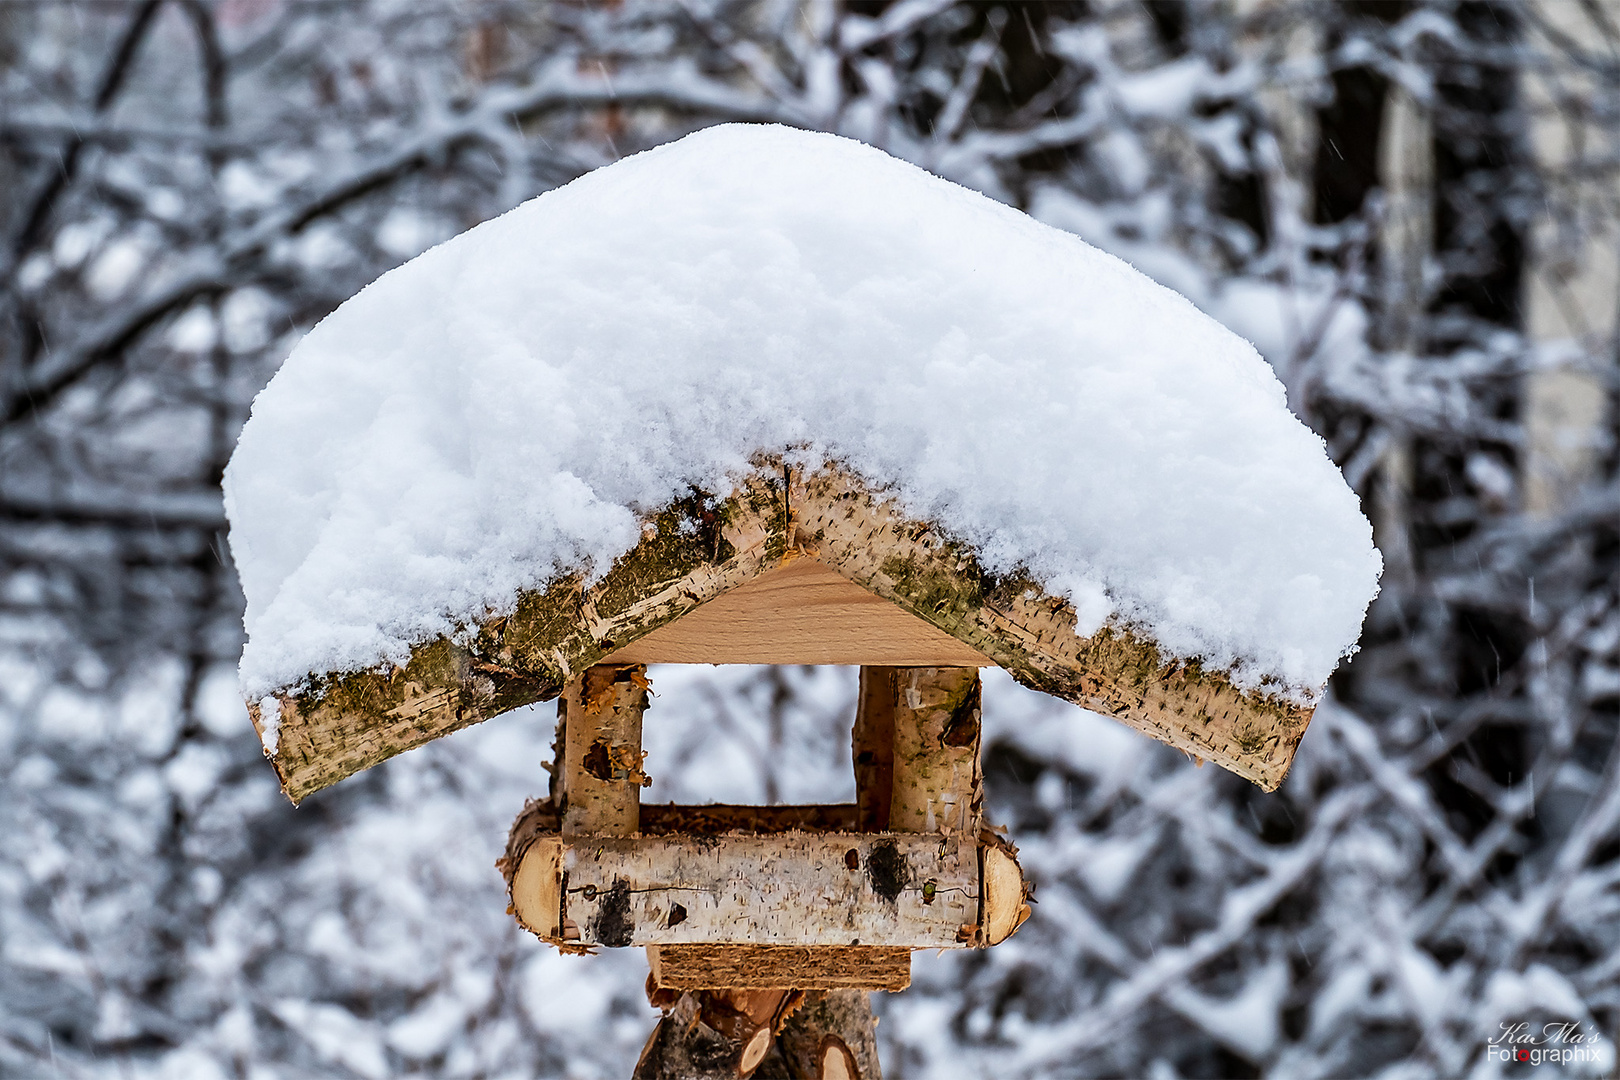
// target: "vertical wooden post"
[[936, 779], [938, 783], [872, 748], [600, 713]]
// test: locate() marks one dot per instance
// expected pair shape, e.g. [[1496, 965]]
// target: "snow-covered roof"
[[508, 407]]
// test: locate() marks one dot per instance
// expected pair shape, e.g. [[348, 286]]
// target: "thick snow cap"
[[504, 407]]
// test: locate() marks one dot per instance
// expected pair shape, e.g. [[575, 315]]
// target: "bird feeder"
[[792, 567], [771, 397]]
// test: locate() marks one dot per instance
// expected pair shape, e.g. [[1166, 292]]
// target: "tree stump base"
[[762, 1034]]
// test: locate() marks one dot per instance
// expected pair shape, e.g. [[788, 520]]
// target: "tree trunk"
[[831, 1030]]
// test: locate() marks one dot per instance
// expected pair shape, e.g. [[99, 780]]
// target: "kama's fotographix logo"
[[1556, 1044]]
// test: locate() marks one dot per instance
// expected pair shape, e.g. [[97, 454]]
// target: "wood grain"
[[748, 967], [801, 613]]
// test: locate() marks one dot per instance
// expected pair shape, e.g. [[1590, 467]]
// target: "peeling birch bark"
[[602, 777], [333, 725]]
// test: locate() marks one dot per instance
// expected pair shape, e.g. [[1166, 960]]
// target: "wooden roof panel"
[[791, 567]]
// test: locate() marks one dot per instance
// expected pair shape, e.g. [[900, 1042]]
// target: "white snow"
[[269, 723], [501, 409]]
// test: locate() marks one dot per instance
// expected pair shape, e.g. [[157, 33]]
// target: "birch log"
[[935, 779], [798, 889], [602, 778]]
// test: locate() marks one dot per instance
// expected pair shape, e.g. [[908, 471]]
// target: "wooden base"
[[735, 1034], [770, 967]]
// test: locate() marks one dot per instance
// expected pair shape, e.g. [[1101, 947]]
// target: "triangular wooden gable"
[[791, 567], [802, 612]]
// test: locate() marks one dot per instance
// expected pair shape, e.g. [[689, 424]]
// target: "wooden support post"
[[936, 778], [872, 748], [600, 714], [719, 1035]]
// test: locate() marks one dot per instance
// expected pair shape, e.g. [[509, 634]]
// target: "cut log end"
[[1004, 906], [837, 1061], [537, 889], [754, 1052]]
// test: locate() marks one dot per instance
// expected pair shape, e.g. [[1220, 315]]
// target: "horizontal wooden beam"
[[770, 967], [541, 816], [833, 888], [535, 885]]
